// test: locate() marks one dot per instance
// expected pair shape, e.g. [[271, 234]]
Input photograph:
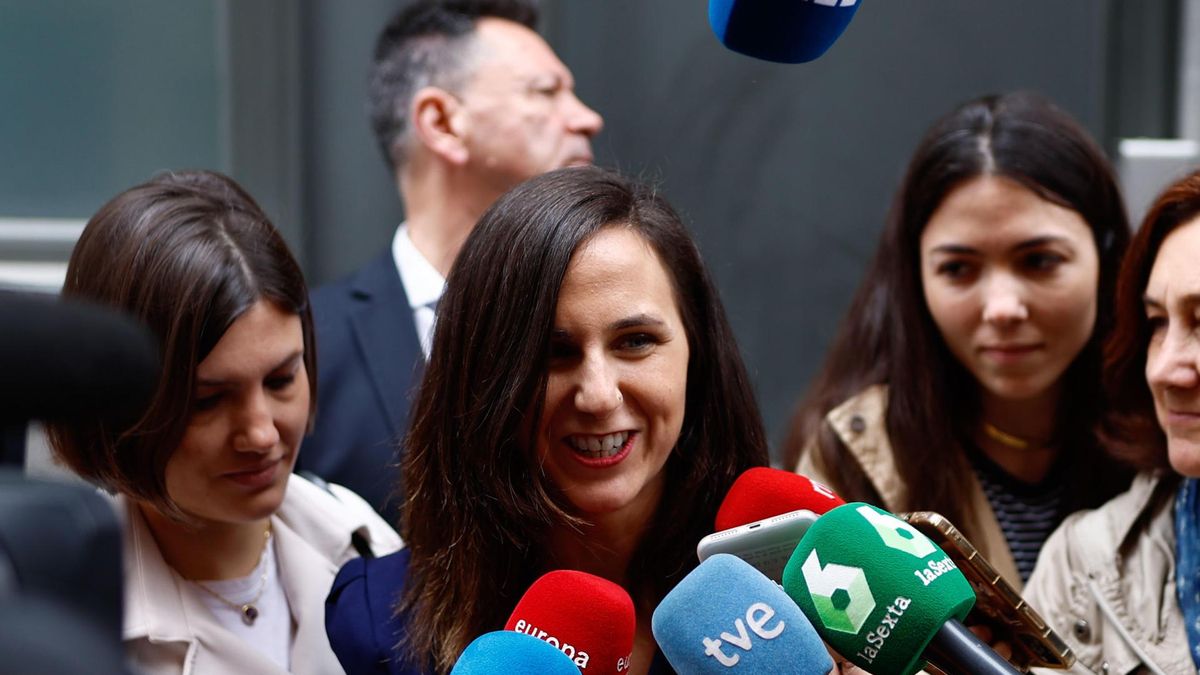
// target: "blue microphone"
[[727, 616], [783, 31], [510, 653]]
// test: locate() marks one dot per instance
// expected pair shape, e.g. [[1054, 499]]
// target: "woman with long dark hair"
[[1121, 583], [228, 555], [965, 378], [584, 407]]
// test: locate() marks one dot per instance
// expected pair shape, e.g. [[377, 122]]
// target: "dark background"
[[783, 172]]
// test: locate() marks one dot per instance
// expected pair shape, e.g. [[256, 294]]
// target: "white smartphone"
[[766, 544]]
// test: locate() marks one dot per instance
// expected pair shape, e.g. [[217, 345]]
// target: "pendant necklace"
[[248, 610]]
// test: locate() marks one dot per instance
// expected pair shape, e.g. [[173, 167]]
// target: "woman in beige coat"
[[964, 379], [1121, 582], [228, 556]]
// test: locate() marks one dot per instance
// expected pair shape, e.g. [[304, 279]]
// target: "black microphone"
[[784, 31], [60, 358]]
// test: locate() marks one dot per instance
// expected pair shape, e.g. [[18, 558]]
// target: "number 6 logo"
[[840, 594]]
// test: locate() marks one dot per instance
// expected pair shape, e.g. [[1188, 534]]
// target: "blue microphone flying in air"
[[727, 617], [784, 31]]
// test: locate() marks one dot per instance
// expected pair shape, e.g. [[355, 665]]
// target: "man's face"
[[522, 116]]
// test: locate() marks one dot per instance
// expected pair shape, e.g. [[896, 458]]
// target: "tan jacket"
[[860, 424], [1106, 582], [168, 632]]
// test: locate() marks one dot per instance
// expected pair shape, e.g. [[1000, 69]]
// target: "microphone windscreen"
[[783, 31], [60, 358], [763, 492], [875, 588], [727, 615], [508, 653], [589, 619]]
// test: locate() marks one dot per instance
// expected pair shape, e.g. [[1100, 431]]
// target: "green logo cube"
[[839, 593]]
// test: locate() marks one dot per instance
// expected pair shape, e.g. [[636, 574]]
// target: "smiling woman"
[[227, 554], [1122, 583], [585, 407]]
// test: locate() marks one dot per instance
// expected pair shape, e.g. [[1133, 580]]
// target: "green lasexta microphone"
[[885, 596]]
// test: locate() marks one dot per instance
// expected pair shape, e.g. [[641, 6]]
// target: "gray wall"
[[784, 172], [96, 96]]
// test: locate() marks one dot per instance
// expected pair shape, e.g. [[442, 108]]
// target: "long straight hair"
[[479, 510], [889, 337]]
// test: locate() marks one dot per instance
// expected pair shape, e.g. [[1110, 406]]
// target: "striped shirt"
[[1027, 513]]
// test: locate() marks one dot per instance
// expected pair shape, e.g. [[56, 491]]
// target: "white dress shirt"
[[423, 284]]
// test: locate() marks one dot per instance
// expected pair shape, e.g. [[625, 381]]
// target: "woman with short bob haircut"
[[965, 378], [1120, 583], [227, 555], [577, 312]]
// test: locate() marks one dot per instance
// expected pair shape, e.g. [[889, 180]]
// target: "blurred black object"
[[60, 579], [60, 358], [12, 444]]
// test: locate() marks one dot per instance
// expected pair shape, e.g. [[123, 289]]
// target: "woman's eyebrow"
[[288, 360], [636, 320]]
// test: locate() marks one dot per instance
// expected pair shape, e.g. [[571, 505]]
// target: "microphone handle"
[[958, 651]]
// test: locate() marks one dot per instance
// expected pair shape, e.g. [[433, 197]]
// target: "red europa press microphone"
[[589, 619], [763, 492]]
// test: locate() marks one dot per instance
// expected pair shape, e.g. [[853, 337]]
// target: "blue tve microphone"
[[510, 653], [784, 31], [727, 616]]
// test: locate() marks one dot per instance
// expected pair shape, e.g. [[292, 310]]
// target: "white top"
[[273, 631], [423, 284], [169, 630]]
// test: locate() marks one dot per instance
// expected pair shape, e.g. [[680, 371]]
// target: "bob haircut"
[[476, 496], [889, 337], [1133, 434], [186, 253]]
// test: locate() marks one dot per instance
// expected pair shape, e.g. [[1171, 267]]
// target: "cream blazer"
[[167, 632], [859, 423]]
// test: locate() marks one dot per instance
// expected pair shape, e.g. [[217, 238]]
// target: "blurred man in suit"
[[466, 101]]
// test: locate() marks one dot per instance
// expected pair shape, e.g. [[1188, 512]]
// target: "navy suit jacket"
[[369, 364]]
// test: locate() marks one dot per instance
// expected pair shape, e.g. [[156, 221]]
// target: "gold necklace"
[[249, 610], [1007, 439]]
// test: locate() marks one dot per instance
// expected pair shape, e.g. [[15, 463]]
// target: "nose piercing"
[[620, 397]]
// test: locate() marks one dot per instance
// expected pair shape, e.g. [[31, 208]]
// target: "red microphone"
[[762, 493], [589, 619]]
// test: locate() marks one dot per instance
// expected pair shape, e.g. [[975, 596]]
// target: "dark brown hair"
[[1132, 432], [186, 254], [889, 337], [476, 498]]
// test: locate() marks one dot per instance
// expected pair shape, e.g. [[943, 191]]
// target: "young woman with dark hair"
[[1121, 583], [228, 556], [585, 407], [965, 377]]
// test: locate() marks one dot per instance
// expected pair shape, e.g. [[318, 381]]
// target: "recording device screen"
[[998, 605]]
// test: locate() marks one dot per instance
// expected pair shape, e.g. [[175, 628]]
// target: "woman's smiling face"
[[617, 382]]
